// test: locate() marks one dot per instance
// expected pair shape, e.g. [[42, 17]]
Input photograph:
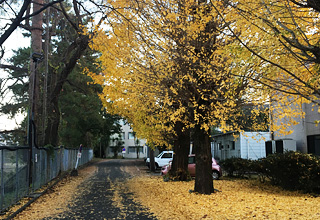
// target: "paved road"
[[104, 196]]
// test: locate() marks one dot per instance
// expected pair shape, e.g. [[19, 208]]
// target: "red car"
[[216, 170]]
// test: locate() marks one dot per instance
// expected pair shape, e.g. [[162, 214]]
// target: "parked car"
[[162, 159], [216, 169]]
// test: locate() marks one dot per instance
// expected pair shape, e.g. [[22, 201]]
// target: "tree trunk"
[[115, 153], [137, 150], [53, 121], [79, 46], [179, 169], [151, 156], [203, 182]]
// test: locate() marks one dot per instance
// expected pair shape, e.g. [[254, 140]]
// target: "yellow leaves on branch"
[[286, 112], [138, 55], [282, 32], [164, 62]]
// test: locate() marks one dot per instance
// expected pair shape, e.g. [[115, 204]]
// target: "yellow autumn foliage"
[[197, 63], [279, 41]]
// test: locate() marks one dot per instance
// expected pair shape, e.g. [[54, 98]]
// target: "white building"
[[133, 146], [307, 132], [246, 145]]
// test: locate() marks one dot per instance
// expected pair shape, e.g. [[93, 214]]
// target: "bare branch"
[[42, 9], [63, 10], [294, 76], [15, 23], [19, 18], [15, 68]]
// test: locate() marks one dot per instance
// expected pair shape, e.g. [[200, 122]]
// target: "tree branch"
[[16, 22], [15, 68], [68, 17], [42, 9], [19, 18], [267, 60]]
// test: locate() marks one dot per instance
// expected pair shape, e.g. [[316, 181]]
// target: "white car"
[[162, 159]]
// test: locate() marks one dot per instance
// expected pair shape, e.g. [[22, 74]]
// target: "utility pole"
[[34, 86], [36, 58], [45, 79]]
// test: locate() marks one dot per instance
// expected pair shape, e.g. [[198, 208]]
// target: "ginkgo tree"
[[280, 42], [165, 68]]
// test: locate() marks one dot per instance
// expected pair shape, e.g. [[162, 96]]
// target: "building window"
[[132, 149], [123, 136], [131, 135], [233, 145], [313, 142]]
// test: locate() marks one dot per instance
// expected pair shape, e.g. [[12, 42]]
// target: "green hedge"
[[290, 170], [236, 166]]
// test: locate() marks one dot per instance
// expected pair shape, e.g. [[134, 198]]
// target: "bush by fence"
[[290, 170], [236, 166], [20, 176]]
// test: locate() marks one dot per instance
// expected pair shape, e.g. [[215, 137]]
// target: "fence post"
[[30, 171], [2, 181], [17, 176], [46, 166]]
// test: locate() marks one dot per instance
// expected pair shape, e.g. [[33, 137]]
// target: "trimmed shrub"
[[236, 166], [289, 170], [292, 170]]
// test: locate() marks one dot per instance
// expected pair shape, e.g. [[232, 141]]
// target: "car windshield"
[[192, 160], [167, 155], [159, 155]]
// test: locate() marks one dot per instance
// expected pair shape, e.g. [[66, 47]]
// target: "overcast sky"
[[15, 41]]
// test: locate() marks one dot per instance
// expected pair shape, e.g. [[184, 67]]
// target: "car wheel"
[[156, 166], [215, 175]]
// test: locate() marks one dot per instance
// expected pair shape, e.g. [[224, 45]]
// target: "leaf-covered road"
[[104, 196], [101, 191]]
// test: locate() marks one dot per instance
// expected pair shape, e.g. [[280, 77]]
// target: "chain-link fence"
[[21, 173]]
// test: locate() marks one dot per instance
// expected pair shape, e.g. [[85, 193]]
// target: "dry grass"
[[236, 199]]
